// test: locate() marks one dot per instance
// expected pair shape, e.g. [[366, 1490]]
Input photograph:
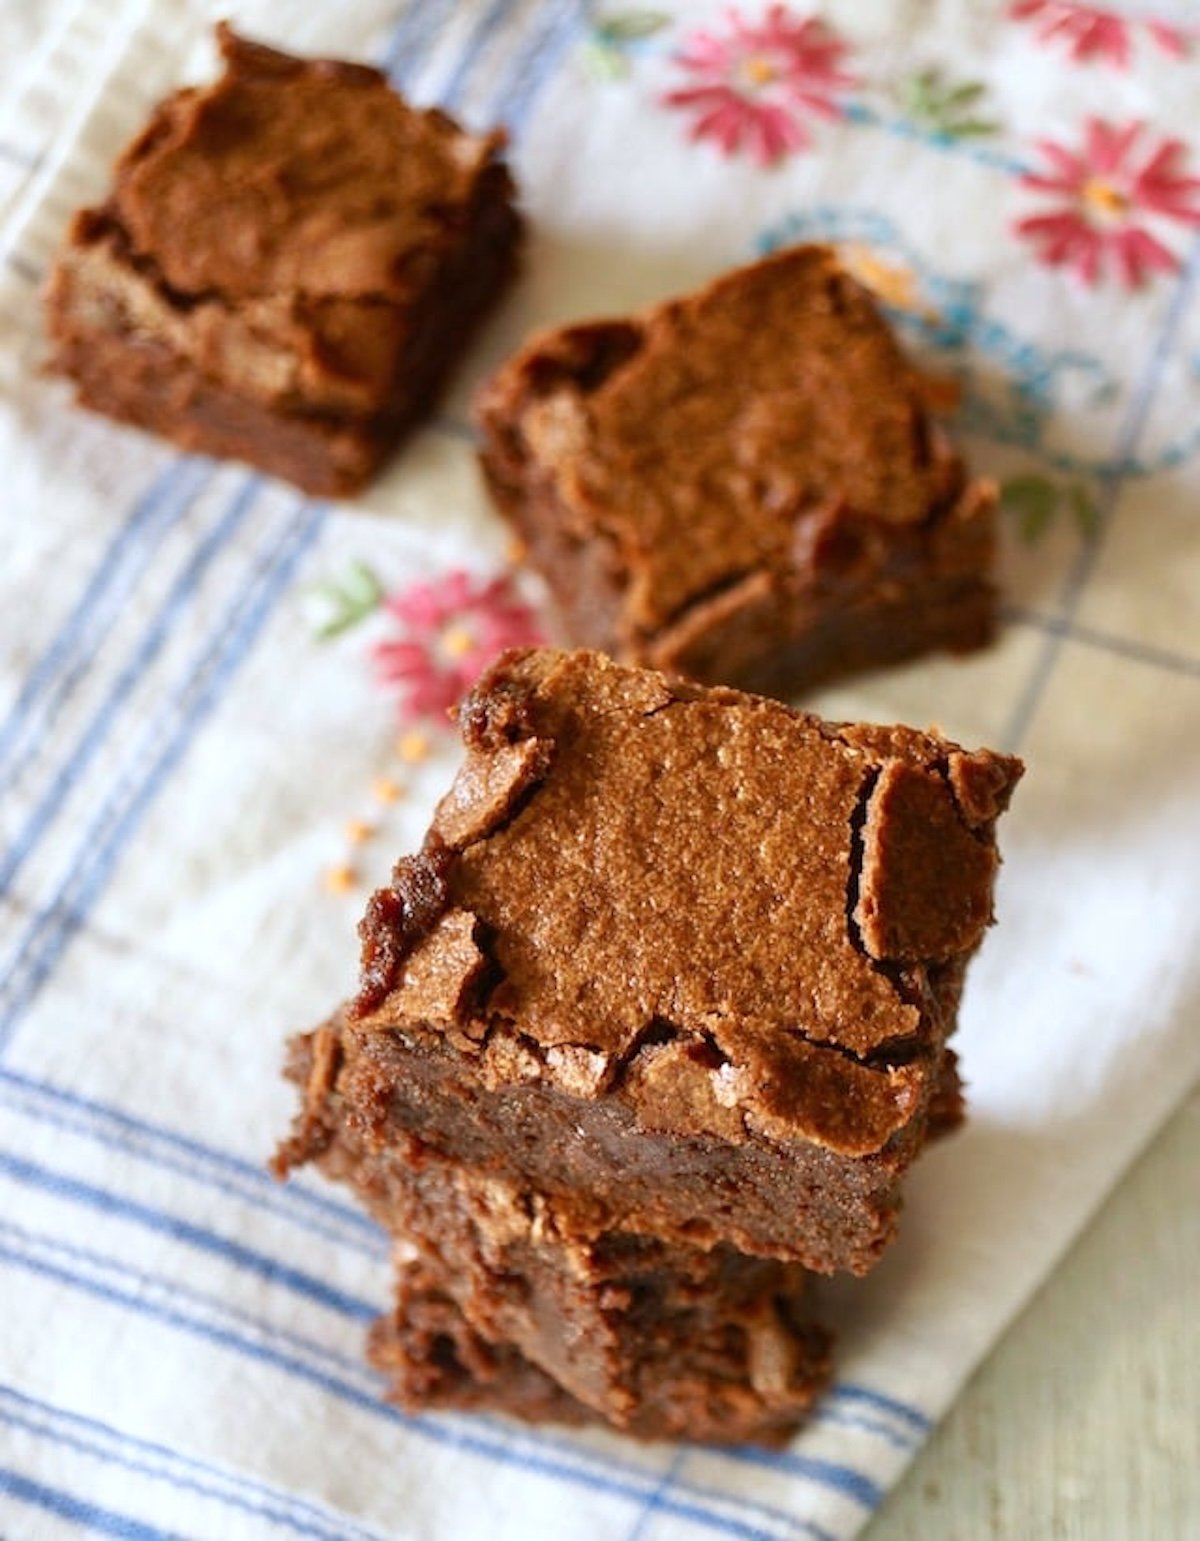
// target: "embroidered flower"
[[754, 83], [1111, 190], [1090, 32], [449, 631]]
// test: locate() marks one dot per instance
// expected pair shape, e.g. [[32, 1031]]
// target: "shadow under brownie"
[[744, 485], [287, 265]]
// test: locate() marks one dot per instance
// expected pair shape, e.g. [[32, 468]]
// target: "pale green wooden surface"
[[1084, 1423]]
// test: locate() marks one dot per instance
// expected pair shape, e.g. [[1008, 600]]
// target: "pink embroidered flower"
[[1109, 191], [754, 83], [449, 631], [1090, 32]]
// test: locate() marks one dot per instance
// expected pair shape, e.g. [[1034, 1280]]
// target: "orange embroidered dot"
[[385, 790], [412, 748], [891, 281], [340, 880], [358, 831]]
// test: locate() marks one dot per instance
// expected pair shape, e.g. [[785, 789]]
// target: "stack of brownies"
[[649, 1030], [653, 1025]]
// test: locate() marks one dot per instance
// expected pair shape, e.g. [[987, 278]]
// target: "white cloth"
[[180, 1338]]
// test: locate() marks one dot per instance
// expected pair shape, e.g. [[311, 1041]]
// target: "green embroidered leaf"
[[631, 26], [611, 40], [915, 96], [603, 61], [964, 95], [347, 601], [945, 109], [973, 128], [1035, 501]]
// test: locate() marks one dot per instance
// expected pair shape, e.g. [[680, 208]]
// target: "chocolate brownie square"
[[288, 263], [743, 485], [686, 954], [749, 1380], [622, 1323]]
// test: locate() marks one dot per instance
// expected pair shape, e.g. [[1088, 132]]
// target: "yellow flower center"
[[457, 642], [1104, 199], [758, 70]]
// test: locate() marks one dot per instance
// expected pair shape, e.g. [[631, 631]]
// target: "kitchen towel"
[[222, 719]]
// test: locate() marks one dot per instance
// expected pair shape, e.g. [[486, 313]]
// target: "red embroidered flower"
[[450, 630], [1109, 191], [1091, 32], [754, 83]]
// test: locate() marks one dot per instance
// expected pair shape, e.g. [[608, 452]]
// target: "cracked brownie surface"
[[688, 952], [743, 484]]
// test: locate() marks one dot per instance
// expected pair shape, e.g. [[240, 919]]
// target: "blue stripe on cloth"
[[33, 1174], [53, 680], [182, 592], [253, 1186], [847, 1480], [645, 1516], [149, 1287], [899, 1440], [546, 1439], [104, 840], [545, 1459], [79, 1511], [542, 55], [853, 1392], [407, 44], [485, 29], [105, 1114], [88, 1436], [164, 1461]]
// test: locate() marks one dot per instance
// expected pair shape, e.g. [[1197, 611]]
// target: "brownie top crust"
[[722, 435], [295, 176], [693, 893]]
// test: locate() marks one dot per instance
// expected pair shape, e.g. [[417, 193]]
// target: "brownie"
[[614, 1319], [743, 485], [683, 959], [434, 1358], [287, 264]]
